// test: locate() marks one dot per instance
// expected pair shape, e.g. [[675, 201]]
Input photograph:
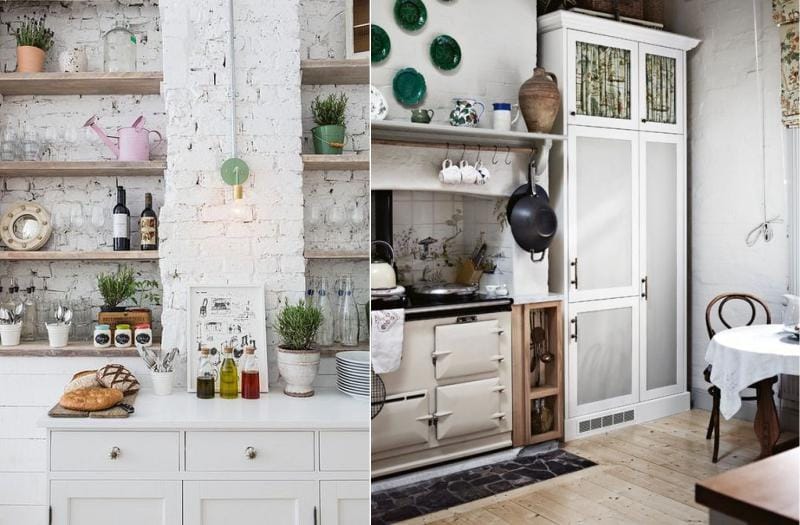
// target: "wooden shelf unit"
[[100, 168], [313, 254], [551, 392], [110, 256], [90, 83], [331, 72], [344, 162]]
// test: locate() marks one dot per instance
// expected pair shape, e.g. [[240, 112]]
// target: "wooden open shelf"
[[344, 162], [133, 255], [329, 72], [101, 168], [545, 387], [311, 254], [91, 83], [73, 349]]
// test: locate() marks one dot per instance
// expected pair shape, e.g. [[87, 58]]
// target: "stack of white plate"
[[352, 373]]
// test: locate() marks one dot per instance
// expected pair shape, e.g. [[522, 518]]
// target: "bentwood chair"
[[720, 302]]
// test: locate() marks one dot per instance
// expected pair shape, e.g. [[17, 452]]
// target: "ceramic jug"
[[539, 100], [465, 113], [791, 313]]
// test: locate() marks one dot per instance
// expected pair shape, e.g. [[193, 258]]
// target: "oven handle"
[[438, 353], [442, 414], [498, 331], [499, 388], [426, 417], [498, 415], [497, 358]]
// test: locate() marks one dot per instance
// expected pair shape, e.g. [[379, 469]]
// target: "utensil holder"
[[468, 274], [58, 334], [9, 334], [162, 383]]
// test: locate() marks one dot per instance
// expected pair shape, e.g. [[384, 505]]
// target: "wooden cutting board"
[[113, 412]]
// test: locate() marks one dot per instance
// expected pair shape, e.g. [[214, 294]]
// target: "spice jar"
[[122, 336], [102, 336], [143, 335]]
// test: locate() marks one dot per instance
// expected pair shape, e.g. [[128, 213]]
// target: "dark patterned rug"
[[416, 499]]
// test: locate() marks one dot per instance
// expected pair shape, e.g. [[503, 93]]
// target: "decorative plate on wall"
[[409, 87], [381, 45], [377, 104], [25, 227], [411, 15], [445, 52]]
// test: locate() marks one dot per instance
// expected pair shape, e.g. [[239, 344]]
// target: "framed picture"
[[222, 316]]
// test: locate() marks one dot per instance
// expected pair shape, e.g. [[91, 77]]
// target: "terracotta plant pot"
[[299, 369], [30, 59], [539, 100]]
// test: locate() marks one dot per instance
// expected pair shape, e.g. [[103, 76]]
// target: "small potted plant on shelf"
[[298, 360], [328, 114], [116, 288], [34, 40]]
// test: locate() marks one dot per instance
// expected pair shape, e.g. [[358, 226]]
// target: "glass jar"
[[143, 335], [122, 336], [251, 385], [102, 336], [206, 376], [228, 376], [119, 50]]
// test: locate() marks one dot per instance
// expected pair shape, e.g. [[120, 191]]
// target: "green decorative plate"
[[410, 14], [445, 52], [381, 45], [409, 87]]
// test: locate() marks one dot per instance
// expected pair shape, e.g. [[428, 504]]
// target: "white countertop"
[[538, 298], [327, 409]]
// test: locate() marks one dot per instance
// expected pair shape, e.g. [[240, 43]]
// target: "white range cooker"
[[451, 396]]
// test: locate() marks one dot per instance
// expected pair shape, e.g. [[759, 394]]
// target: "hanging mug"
[[465, 114], [449, 173], [501, 116], [73, 60]]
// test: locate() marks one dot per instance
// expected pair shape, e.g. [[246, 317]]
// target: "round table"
[[753, 355]]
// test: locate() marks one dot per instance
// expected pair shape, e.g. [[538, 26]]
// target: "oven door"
[[403, 422], [464, 349], [467, 408]]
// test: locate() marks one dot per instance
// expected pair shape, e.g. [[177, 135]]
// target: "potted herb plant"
[[298, 360], [34, 40], [116, 288], [328, 114]]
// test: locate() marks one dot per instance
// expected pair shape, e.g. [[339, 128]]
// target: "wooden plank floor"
[[644, 474]]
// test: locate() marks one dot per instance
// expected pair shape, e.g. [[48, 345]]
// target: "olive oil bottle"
[[228, 376], [206, 376]]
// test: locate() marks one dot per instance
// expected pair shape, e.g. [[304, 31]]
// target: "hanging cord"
[[232, 61], [763, 229]]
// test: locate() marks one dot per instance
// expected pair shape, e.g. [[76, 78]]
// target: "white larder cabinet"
[[256, 502], [619, 187], [128, 502]]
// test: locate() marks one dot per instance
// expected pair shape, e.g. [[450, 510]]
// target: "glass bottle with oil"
[[228, 376], [206, 376], [251, 387]]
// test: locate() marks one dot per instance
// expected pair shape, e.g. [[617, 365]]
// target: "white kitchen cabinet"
[[344, 502], [99, 502], [603, 225], [253, 502]]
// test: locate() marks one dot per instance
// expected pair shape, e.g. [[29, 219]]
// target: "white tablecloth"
[[742, 356]]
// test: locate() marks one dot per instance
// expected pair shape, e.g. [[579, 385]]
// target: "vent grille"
[[605, 421]]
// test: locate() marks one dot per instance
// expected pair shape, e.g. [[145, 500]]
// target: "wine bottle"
[[148, 225], [122, 223]]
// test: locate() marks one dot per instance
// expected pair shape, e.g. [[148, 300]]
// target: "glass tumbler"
[[349, 314]]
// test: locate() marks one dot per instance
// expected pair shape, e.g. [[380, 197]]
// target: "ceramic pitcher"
[[465, 113]]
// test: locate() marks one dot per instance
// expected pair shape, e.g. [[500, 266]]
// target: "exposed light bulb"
[[239, 210]]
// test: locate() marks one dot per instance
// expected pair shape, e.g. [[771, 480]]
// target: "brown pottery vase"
[[539, 100]]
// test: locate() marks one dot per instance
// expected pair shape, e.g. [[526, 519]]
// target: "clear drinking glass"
[[335, 217], [119, 50], [311, 291], [325, 333], [31, 147], [363, 322], [349, 314], [9, 148]]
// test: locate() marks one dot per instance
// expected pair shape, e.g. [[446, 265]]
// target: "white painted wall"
[[725, 160]]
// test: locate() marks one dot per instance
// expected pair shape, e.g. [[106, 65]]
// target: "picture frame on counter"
[[226, 315]]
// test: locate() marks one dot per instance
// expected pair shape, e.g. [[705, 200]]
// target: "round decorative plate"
[[445, 52], [411, 15], [381, 45], [377, 104], [409, 87]]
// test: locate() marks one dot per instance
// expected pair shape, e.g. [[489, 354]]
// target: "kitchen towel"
[[386, 343]]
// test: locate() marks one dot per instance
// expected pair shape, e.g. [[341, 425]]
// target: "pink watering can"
[[132, 143]]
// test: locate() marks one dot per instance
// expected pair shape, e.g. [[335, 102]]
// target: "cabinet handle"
[[315, 515], [572, 113], [644, 287], [644, 120], [114, 453], [574, 334], [574, 265], [250, 452]]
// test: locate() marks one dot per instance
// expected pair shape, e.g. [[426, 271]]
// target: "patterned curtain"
[[786, 14], [603, 81], [660, 89]]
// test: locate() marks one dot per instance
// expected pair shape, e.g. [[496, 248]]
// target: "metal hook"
[[478, 157], [463, 152], [447, 153], [508, 152], [494, 156]]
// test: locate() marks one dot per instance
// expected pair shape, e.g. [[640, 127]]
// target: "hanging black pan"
[[533, 222]]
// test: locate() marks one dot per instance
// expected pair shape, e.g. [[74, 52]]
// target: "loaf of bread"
[[82, 380], [91, 399], [118, 377]]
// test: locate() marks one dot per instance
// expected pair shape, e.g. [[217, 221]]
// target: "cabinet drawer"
[[250, 451], [115, 451], [344, 451]]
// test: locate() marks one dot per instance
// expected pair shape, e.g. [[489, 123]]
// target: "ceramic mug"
[[73, 60], [421, 116], [449, 173], [469, 175], [483, 173], [501, 116]]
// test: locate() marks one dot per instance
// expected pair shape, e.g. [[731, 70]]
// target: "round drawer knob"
[[250, 452], [114, 453], [573, 113], [644, 120]]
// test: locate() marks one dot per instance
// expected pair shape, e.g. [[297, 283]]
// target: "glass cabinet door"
[[602, 90], [603, 207], [662, 264], [661, 77], [603, 355]]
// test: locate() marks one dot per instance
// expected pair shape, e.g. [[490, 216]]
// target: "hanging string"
[[763, 229]]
